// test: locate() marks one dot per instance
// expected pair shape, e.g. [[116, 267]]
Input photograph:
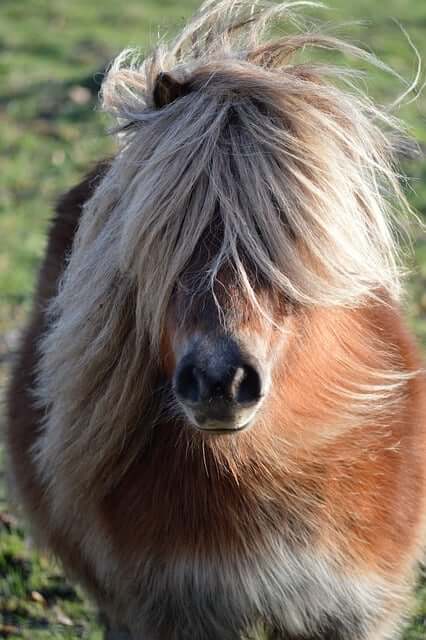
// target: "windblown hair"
[[223, 130], [237, 257], [299, 170]]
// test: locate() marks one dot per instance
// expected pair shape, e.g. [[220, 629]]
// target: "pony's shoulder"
[[63, 227], [69, 208]]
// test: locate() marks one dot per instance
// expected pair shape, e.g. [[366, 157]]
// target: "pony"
[[217, 413]]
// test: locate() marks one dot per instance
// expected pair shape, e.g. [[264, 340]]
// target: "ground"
[[53, 53]]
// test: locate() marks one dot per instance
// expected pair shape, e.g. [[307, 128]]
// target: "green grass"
[[52, 53]]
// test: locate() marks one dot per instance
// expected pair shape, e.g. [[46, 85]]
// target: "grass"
[[53, 53]]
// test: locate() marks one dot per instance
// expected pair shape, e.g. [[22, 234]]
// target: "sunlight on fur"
[[216, 419], [299, 170], [303, 177]]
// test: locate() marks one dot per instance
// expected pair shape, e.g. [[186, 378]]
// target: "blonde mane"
[[298, 168]]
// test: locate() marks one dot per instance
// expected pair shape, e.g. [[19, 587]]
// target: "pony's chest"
[[295, 589], [191, 552]]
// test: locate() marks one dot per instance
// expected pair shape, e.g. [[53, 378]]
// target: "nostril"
[[188, 385], [248, 385], [219, 385]]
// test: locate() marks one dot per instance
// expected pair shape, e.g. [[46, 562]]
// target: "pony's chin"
[[226, 425], [224, 430], [216, 428]]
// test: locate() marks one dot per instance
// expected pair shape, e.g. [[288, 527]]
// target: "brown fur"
[[229, 211], [25, 418], [368, 481]]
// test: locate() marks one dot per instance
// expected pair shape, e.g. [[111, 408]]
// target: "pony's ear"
[[167, 89]]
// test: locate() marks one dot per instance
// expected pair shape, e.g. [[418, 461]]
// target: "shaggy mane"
[[299, 170]]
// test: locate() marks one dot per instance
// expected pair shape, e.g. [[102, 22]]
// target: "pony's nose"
[[238, 385], [218, 386]]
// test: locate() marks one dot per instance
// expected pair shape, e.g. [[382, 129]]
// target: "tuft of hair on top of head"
[[230, 120]]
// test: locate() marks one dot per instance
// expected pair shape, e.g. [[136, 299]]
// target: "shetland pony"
[[217, 416]]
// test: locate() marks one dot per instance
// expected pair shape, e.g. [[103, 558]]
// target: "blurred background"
[[52, 57]]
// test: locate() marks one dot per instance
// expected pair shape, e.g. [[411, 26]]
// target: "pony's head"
[[250, 203]]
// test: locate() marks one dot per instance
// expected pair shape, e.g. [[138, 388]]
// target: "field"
[[53, 54]]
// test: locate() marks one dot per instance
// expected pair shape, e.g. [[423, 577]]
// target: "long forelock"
[[301, 170]]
